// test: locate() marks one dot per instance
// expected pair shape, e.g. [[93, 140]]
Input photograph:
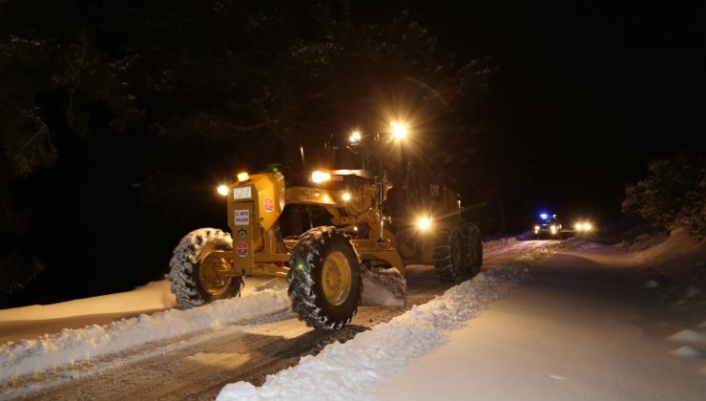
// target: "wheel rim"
[[213, 283], [336, 278]]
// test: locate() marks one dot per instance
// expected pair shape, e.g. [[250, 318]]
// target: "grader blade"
[[386, 287]]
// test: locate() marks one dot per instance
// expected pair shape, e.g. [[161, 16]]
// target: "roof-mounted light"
[[399, 131], [243, 176], [424, 223], [355, 137]]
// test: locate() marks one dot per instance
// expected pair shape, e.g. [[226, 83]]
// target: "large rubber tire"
[[474, 249], [450, 254], [193, 284], [325, 283]]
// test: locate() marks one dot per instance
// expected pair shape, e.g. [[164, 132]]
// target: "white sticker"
[[242, 217], [242, 193]]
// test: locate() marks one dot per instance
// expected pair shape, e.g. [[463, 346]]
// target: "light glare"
[[424, 223], [355, 137], [317, 177], [583, 226], [399, 131], [243, 176], [222, 189]]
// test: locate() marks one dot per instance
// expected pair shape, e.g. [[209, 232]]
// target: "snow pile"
[[343, 371], [676, 267], [73, 346]]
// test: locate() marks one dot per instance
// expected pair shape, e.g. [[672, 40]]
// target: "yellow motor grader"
[[343, 228]]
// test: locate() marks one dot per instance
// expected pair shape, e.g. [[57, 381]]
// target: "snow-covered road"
[[544, 320]]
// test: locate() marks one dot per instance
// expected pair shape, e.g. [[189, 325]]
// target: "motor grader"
[[329, 237]]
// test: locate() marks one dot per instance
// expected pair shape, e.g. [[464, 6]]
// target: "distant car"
[[547, 226], [583, 227]]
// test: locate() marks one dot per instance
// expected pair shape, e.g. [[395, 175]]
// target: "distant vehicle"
[[583, 227], [547, 226]]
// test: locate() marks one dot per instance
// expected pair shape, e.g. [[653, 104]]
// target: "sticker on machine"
[[242, 193], [242, 249], [269, 204], [242, 217]]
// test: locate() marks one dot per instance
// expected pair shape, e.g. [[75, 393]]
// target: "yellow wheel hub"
[[212, 282], [336, 278]]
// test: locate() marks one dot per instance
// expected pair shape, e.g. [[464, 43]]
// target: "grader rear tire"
[[325, 283], [474, 249], [450, 254], [195, 284]]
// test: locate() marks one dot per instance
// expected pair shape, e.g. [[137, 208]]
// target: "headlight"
[[317, 177], [583, 226], [222, 189]]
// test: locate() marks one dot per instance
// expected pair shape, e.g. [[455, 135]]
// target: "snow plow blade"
[[386, 287]]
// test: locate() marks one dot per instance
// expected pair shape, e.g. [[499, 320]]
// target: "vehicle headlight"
[[584, 226], [222, 189], [317, 177]]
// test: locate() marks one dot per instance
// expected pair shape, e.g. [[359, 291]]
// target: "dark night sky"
[[590, 91], [587, 92]]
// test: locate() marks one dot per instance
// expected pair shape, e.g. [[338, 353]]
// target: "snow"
[[433, 341], [342, 371]]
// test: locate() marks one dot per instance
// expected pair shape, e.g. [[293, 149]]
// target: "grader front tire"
[[195, 283], [325, 283]]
